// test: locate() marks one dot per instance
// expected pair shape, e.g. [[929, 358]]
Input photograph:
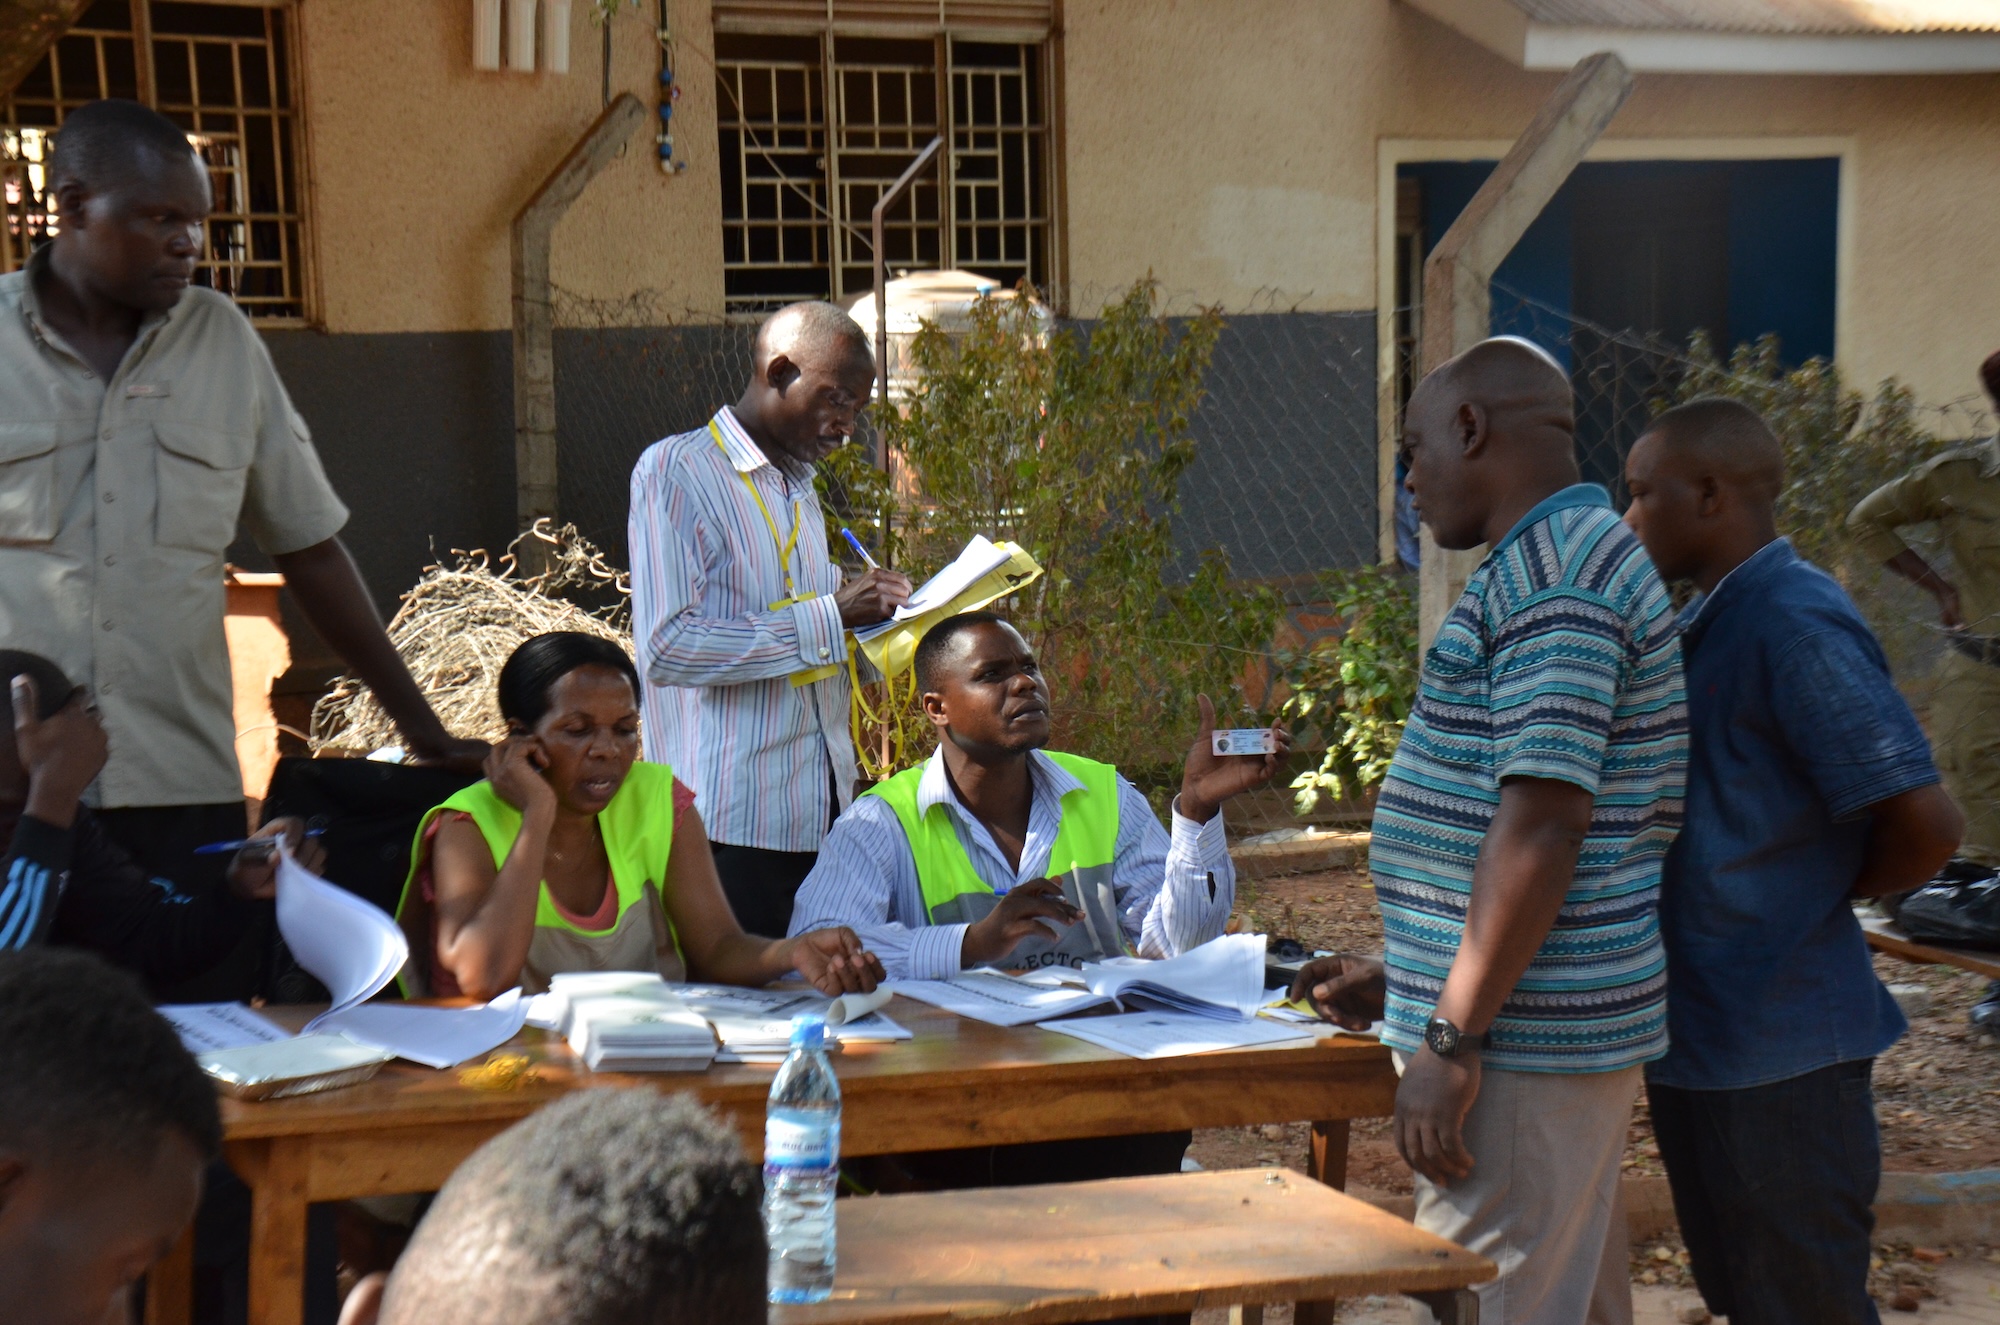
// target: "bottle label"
[[791, 1143]]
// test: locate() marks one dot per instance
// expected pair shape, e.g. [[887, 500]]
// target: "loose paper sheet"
[[435, 1037], [1171, 1034], [999, 1000], [350, 945]]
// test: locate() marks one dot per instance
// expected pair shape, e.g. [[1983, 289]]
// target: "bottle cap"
[[809, 1031]]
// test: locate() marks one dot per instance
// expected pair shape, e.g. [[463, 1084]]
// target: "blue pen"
[[859, 550], [223, 848]]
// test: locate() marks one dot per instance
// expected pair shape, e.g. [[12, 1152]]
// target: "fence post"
[[1457, 300], [534, 319]]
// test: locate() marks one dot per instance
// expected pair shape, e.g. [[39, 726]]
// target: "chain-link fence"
[[1285, 482]]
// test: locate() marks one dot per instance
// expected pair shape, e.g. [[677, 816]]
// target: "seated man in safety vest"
[[998, 853]]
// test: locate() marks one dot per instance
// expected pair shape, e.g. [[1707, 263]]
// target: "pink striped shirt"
[[718, 656]]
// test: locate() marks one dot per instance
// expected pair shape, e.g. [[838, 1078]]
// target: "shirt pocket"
[[27, 482], [202, 475]]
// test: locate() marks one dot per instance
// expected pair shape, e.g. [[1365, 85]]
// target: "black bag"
[[367, 813], [1960, 908]]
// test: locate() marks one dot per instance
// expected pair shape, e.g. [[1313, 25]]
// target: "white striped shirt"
[[1174, 893], [718, 657]]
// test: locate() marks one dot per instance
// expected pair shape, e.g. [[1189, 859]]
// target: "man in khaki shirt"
[[1960, 492], [141, 421]]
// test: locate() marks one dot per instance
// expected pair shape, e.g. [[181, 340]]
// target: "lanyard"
[[785, 546]]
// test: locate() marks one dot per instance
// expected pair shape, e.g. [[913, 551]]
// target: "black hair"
[[88, 1069], [105, 142], [528, 680], [1730, 437], [931, 649], [608, 1207], [52, 688]]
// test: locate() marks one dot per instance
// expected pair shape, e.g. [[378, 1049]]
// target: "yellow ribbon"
[[785, 546]]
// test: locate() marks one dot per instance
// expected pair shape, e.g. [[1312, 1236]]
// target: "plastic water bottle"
[[802, 1168]]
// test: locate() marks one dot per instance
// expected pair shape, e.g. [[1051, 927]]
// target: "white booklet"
[[631, 1022], [979, 559], [1000, 999], [1171, 1034], [1223, 978]]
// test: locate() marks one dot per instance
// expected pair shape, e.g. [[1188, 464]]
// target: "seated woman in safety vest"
[[573, 856], [997, 853]]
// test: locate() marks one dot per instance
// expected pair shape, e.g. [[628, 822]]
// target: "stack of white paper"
[[1171, 1034], [206, 1027], [755, 1025], [347, 943], [635, 1024], [1223, 978]]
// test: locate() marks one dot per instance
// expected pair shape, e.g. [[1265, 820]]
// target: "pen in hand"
[[260, 845], [859, 550]]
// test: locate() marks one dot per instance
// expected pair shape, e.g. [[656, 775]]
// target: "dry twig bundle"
[[457, 626]]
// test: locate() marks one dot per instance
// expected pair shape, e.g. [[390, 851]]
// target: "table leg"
[[1246, 1315], [170, 1284], [278, 1235], [1329, 1153], [1312, 1313], [1453, 1306]]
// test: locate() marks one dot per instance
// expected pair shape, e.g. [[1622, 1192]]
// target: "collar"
[[934, 788], [1745, 577], [1576, 494], [736, 444], [31, 308]]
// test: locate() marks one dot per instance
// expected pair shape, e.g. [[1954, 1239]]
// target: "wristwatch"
[[1448, 1041]]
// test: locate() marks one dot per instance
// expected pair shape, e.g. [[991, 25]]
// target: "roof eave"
[[1507, 32]]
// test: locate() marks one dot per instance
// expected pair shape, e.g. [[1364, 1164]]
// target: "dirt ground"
[[1935, 1096]]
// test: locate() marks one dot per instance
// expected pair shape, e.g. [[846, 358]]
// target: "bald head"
[[1482, 432], [812, 376]]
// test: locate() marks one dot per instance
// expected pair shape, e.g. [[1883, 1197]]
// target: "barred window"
[[222, 72], [814, 128]]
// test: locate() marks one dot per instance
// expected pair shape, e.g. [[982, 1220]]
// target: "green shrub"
[[1350, 695]]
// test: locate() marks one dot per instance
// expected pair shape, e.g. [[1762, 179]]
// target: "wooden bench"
[[1087, 1251], [1887, 936]]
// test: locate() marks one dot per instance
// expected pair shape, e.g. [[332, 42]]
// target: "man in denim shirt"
[[1809, 784]]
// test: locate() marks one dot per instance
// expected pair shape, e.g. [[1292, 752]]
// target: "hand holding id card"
[[1245, 741]]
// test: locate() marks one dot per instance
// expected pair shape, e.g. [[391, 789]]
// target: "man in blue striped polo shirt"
[[1518, 844]]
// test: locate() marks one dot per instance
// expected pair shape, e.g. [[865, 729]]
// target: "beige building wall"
[[419, 163]]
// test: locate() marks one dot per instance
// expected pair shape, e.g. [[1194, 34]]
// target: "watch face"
[[1442, 1037]]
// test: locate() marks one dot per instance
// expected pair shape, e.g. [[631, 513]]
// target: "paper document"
[[755, 1025], [979, 559], [208, 1026], [1222, 978], [435, 1037], [1171, 1034], [633, 1022], [351, 946], [998, 999]]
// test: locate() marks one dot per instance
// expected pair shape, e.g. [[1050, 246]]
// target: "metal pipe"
[[882, 204]]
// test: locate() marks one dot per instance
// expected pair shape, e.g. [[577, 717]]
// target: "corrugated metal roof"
[[1842, 17]]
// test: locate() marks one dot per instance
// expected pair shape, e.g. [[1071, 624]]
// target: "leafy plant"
[[1072, 442], [1354, 691]]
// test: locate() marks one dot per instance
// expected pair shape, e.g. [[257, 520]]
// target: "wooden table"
[[1886, 936], [957, 1083], [1130, 1247]]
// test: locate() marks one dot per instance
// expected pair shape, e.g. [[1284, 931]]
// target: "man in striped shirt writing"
[[1518, 844], [739, 614]]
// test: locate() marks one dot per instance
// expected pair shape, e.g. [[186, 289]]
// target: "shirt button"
[[110, 497], [104, 436], [111, 560], [825, 653], [110, 625]]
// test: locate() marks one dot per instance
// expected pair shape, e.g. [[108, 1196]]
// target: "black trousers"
[[1774, 1187], [761, 884], [162, 839]]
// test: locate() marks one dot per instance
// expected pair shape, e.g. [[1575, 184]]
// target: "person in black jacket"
[[64, 882]]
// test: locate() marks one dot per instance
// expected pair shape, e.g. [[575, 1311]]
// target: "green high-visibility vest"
[[638, 828], [1082, 861]]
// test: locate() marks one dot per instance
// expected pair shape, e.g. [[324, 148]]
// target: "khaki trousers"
[[1965, 731], [1542, 1200]]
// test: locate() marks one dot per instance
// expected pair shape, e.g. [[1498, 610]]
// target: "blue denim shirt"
[[1795, 730]]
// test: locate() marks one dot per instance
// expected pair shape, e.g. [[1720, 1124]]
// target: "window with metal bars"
[[224, 73], [814, 129]]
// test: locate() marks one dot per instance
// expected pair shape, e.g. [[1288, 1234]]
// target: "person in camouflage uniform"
[[1958, 491]]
